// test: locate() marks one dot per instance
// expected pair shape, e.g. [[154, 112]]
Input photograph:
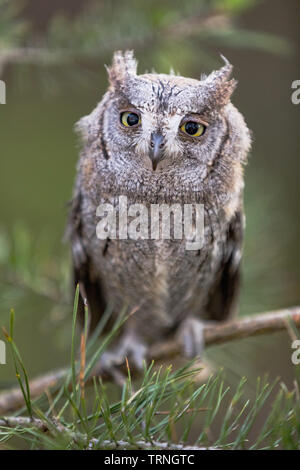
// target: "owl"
[[160, 139]]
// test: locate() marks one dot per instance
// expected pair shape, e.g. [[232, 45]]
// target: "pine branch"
[[56, 427], [73, 49], [144, 445], [63, 55], [15, 421], [252, 325]]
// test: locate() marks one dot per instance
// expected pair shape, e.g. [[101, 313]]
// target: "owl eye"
[[193, 128], [130, 119]]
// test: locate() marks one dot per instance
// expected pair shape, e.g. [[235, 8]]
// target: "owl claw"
[[191, 336], [130, 347], [108, 366], [134, 349]]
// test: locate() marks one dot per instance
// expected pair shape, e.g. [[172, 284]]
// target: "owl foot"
[[130, 347], [191, 336], [134, 349]]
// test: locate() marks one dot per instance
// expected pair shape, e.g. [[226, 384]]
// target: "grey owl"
[[160, 139]]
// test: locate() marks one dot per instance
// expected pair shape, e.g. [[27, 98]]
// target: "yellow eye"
[[129, 119], [193, 128]]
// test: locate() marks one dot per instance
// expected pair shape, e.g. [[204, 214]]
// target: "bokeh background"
[[52, 57]]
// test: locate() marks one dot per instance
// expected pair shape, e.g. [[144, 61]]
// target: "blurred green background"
[[52, 57]]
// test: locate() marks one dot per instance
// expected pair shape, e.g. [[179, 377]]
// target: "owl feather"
[[160, 139]]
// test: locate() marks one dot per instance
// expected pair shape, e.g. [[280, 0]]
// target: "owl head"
[[157, 123]]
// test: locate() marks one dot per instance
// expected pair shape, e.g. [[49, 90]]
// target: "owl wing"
[[223, 298], [90, 286]]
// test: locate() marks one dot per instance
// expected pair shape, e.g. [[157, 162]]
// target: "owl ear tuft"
[[123, 66], [217, 86]]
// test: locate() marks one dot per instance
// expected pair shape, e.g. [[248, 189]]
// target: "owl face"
[[153, 133], [161, 122]]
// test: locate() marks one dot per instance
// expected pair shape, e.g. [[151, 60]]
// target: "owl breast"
[[161, 279]]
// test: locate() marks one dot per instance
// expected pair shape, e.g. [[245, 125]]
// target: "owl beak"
[[156, 152]]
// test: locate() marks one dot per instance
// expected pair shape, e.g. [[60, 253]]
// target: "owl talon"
[[108, 366], [191, 336], [131, 348], [134, 349]]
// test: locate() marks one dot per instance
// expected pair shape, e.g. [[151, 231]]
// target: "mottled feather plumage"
[[167, 282]]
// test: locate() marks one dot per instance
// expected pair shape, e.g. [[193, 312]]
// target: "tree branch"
[[213, 334], [189, 26], [56, 427]]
